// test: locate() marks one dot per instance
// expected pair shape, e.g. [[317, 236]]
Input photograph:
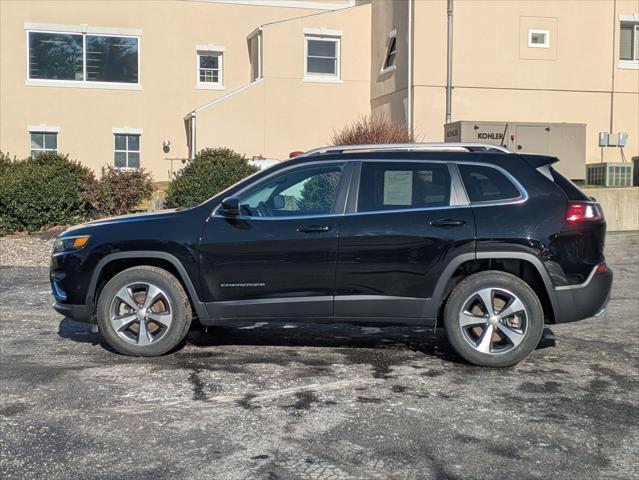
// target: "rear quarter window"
[[570, 189], [487, 184]]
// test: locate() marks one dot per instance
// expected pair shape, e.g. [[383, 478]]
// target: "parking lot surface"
[[288, 401]]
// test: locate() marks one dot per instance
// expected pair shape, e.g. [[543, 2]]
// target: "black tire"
[[512, 353], [178, 305]]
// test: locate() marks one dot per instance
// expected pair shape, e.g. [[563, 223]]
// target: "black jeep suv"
[[486, 243]]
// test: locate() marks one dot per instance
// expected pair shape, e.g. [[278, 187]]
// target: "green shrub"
[[211, 171], [5, 163], [41, 192], [373, 128], [118, 191]]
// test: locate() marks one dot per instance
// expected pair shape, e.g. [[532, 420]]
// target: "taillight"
[[583, 212], [602, 267]]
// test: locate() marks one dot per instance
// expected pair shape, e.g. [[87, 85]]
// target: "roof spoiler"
[[537, 161]]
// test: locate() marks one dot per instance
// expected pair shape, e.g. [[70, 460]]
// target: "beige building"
[[139, 83]]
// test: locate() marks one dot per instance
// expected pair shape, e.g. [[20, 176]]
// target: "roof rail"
[[411, 147]]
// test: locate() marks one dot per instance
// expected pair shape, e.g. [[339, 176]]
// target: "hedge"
[[42, 191], [118, 191], [211, 171], [50, 189]]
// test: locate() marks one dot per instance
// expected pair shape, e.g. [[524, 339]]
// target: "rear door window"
[[487, 184], [403, 186]]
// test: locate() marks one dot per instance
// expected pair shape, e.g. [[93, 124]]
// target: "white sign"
[[398, 187]]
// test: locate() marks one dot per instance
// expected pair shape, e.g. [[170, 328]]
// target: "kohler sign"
[[484, 133], [567, 141]]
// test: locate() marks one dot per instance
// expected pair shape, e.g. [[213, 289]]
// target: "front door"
[[407, 225], [278, 258]]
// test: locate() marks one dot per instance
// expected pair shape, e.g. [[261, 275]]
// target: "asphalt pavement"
[[291, 401]]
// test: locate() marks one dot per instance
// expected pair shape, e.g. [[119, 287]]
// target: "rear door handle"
[[447, 222], [314, 229]]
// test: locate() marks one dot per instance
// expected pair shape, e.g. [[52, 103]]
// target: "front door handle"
[[314, 229], [447, 222]]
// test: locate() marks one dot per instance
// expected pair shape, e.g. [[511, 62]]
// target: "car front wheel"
[[143, 311], [493, 319]]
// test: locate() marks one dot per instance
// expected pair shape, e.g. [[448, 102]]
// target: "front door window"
[[298, 192]]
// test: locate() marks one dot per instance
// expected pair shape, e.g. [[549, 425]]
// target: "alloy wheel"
[[493, 320], [141, 313]]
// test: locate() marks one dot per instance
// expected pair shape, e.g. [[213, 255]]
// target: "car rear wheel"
[[143, 311], [493, 319]]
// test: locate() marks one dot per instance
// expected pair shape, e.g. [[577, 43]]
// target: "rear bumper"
[[578, 302], [79, 313]]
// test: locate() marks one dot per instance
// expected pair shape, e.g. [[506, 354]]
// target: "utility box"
[[609, 174], [566, 141]]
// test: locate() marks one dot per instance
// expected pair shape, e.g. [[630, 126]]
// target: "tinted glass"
[[625, 39], [55, 56], [120, 159], [209, 61], [51, 141], [403, 185], [390, 56], [134, 142], [37, 140], [302, 191], [134, 160], [112, 59], [321, 65], [120, 142], [319, 48], [570, 189], [486, 184]]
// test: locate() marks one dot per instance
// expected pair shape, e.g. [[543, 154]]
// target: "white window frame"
[[391, 36], [634, 21], [83, 30], [546, 34], [127, 131], [209, 50], [44, 129], [323, 35]]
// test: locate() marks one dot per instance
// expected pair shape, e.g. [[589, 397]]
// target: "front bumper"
[[578, 302], [79, 313]]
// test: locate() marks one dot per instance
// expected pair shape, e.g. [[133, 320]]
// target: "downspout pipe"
[[612, 86], [449, 63], [190, 118], [409, 106]]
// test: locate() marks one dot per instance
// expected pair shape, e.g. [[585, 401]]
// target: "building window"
[[83, 58], [629, 41], [210, 67], [391, 51], [322, 58], [539, 38], [43, 142], [126, 153]]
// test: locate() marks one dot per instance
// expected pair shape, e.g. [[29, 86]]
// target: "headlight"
[[70, 243]]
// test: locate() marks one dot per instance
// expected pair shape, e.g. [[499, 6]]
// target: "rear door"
[[406, 220]]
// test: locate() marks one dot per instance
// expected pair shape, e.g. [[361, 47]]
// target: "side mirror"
[[230, 207]]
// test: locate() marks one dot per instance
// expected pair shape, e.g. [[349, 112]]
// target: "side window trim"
[[523, 194], [458, 194], [340, 198]]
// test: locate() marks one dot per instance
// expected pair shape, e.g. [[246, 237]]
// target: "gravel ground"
[[27, 250], [312, 401]]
